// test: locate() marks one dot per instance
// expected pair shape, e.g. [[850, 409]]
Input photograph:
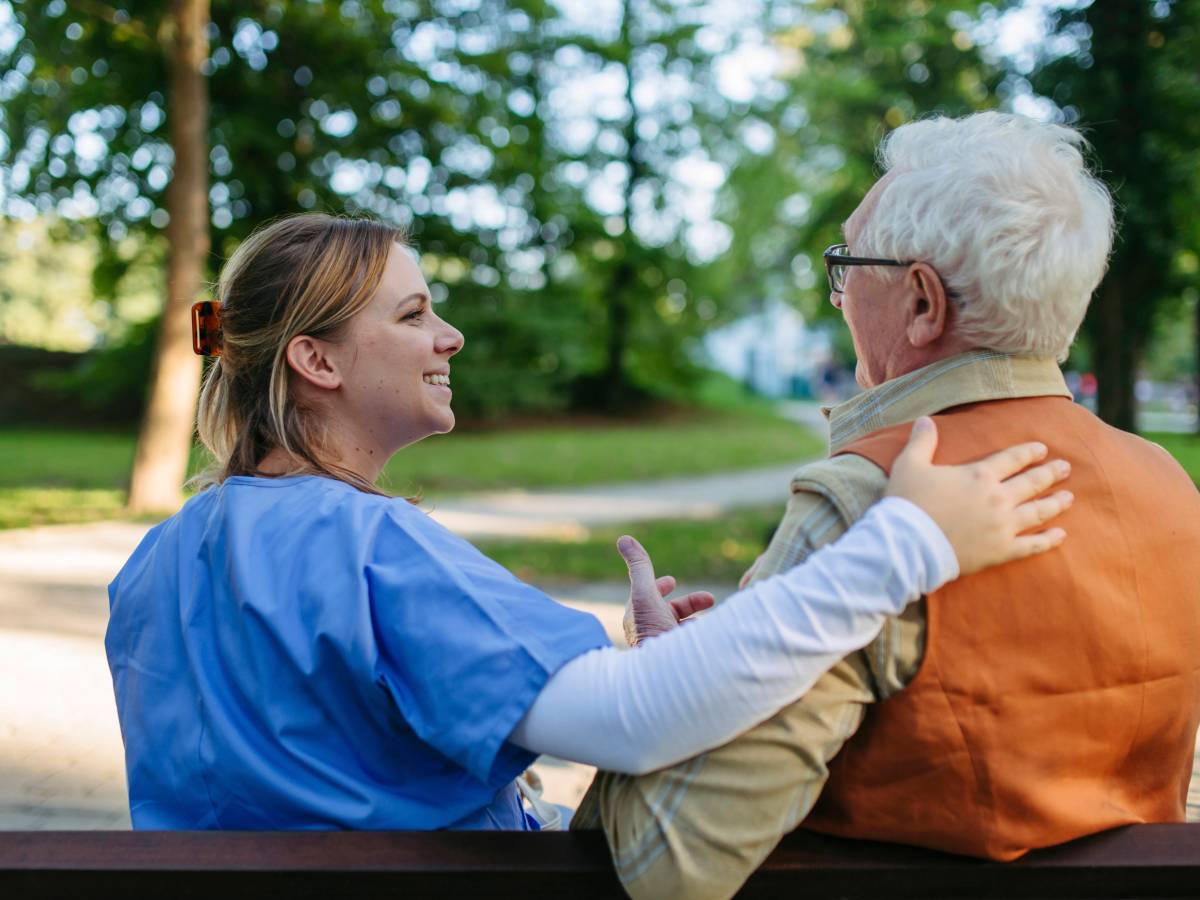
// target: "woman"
[[294, 649]]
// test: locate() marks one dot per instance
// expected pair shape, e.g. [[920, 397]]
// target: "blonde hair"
[[305, 274]]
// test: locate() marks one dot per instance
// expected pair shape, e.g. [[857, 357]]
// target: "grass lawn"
[[710, 550], [556, 456], [53, 476], [1184, 447], [23, 507], [56, 476]]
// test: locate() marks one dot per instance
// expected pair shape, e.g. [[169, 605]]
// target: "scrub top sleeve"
[[464, 647]]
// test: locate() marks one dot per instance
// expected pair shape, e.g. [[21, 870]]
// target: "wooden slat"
[[1145, 861], [1141, 861]]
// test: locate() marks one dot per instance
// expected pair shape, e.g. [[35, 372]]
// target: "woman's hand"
[[984, 507], [648, 613]]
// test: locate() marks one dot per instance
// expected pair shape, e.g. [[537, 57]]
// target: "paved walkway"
[[568, 513]]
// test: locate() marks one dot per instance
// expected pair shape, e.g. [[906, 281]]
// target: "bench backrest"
[[1146, 861]]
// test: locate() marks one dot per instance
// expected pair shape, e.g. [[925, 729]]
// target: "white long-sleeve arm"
[[697, 687]]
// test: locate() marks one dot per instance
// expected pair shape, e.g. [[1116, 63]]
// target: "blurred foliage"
[[854, 70], [1124, 72], [108, 384], [554, 168], [58, 292], [45, 273], [549, 217], [1171, 352], [1127, 73]]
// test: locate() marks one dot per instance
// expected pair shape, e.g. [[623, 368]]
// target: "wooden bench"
[[1144, 861]]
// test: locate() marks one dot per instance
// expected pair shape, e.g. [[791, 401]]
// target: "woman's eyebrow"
[[419, 296]]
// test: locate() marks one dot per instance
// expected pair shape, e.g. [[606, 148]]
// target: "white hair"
[[1006, 211]]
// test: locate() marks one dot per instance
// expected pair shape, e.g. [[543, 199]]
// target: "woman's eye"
[[415, 314]]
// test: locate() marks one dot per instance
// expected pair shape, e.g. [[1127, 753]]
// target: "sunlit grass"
[[555, 456], [47, 458], [49, 476], [716, 550], [1184, 447], [57, 476], [25, 507]]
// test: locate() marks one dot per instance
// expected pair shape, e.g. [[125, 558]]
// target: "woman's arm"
[[694, 688]]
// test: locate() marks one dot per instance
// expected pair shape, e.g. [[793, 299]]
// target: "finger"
[[1038, 512], [1032, 544], [922, 441], [1037, 480], [692, 603], [665, 584], [1009, 462], [637, 560]]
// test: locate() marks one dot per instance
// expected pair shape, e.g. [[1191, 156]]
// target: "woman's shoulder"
[[317, 503], [318, 493], [283, 522]]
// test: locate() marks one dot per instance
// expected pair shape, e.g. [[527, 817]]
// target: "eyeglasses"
[[838, 259]]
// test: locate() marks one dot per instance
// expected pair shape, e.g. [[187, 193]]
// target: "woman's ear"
[[928, 313], [309, 358]]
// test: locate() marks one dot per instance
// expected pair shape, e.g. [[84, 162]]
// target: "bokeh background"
[[622, 203]]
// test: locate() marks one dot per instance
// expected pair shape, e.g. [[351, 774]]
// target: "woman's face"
[[395, 360]]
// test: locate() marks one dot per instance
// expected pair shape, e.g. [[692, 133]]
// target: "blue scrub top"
[[294, 653]]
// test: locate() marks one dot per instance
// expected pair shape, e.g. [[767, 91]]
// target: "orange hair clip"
[[206, 328]]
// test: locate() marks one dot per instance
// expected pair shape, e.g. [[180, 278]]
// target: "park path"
[[556, 513]]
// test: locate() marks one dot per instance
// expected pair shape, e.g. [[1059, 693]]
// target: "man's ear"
[[309, 358], [928, 305]]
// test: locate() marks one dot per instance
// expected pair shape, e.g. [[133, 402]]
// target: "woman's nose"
[[451, 340]]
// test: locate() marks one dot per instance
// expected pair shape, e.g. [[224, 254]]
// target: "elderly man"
[[1038, 702]]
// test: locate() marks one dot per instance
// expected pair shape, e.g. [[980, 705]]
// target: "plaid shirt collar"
[[970, 377]]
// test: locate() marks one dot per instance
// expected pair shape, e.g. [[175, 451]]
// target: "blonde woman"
[[296, 649]]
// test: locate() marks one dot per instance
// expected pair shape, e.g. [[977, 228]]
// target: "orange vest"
[[1058, 695]]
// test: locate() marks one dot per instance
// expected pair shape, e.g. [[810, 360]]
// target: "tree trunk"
[[614, 380], [1122, 125], [165, 439], [1115, 357]]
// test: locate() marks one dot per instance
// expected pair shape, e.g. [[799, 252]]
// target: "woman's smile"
[[397, 336]]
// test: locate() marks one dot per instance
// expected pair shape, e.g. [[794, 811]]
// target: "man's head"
[[1007, 232]]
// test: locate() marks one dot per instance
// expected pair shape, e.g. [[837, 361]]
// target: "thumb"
[[641, 570], [922, 442]]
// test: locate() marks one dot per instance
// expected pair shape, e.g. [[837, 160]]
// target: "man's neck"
[[920, 357]]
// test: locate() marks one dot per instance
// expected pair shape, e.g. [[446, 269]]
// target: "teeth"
[[437, 379]]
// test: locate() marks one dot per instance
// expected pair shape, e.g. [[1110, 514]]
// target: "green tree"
[[1131, 82], [646, 271], [853, 69], [59, 161], [552, 224], [164, 439]]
